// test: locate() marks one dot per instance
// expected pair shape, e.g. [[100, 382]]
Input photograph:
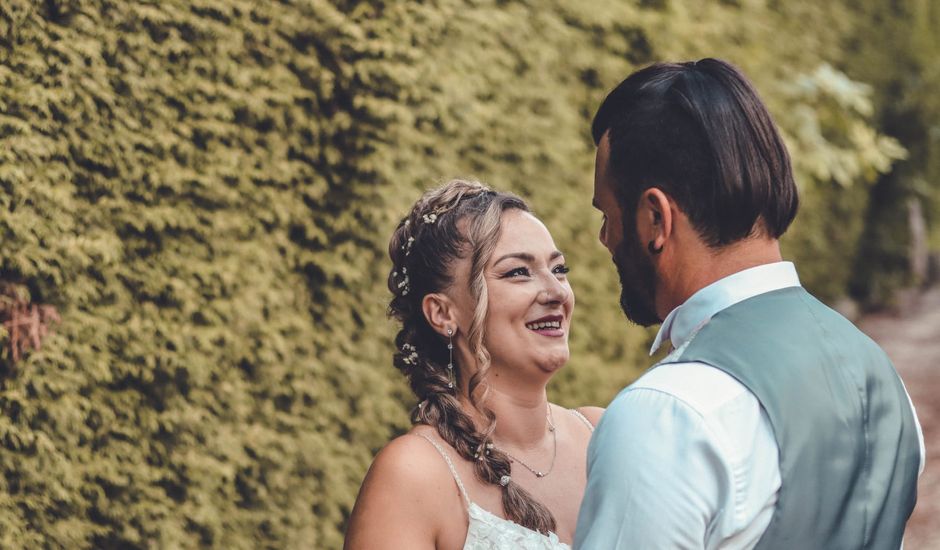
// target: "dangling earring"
[[450, 361]]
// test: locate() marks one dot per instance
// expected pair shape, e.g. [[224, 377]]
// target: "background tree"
[[895, 48]]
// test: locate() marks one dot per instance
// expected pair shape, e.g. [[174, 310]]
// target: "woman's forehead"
[[523, 233]]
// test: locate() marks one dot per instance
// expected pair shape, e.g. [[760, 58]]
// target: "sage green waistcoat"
[[849, 452]]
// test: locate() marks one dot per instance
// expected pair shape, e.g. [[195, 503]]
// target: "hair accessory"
[[504, 481], [430, 218], [412, 354], [418, 411], [450, 360], [407, 246], [404, 282]]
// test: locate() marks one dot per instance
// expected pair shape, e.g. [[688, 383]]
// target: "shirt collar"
[[683, 321]]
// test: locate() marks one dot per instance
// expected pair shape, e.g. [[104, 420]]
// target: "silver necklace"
[[538, 473]]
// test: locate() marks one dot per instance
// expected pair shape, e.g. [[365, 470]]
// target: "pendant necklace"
[[538, 473]]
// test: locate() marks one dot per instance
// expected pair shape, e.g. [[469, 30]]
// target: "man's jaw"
[[637, 286]]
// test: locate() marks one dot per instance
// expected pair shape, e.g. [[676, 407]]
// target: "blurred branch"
[[25, 325]]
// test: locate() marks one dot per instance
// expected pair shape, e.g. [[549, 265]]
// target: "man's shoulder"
[[693, 402], [701, 387]]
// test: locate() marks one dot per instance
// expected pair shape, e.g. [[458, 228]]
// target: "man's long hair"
[[699, 132]]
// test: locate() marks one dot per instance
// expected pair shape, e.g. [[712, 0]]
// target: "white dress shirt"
[[685, 457]]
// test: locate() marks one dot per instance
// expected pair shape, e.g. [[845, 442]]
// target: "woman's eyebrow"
[[525, 256]]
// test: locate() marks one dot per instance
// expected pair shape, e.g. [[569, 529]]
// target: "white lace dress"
[[488, 531]]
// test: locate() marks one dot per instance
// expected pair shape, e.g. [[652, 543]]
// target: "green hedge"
[[204, 189], [897, 54]]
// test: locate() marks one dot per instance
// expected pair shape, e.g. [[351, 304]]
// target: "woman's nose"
[[553, 291]]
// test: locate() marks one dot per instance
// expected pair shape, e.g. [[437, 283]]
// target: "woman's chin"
[[554, 362]]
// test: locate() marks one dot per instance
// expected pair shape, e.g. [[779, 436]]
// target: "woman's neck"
[[521, 417]]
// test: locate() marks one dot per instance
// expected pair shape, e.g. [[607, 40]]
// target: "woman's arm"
[[401, 499]]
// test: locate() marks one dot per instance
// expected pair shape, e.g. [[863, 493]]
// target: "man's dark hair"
[[698, 131]]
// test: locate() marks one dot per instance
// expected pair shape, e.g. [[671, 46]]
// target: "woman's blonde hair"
[[458, 220]]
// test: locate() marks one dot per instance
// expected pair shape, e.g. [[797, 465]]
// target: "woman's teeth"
[[540, 326]]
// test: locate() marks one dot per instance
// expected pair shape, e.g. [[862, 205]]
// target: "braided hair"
[[458, 220]]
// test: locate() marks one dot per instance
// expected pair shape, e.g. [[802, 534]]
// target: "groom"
[[774, 423]]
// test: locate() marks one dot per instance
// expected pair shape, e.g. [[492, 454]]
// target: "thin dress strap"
[[583, 419], [463, 490]]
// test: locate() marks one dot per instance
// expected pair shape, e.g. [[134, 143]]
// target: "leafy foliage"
[[204, 190], [895, 49]]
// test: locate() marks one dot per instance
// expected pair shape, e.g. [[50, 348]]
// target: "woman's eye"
[[561, 268], [523, 271]]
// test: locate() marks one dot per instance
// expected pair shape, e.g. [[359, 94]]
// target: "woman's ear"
[[440, 312], [654, 219]]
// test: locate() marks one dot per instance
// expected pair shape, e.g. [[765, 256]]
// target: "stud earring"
[[450, 360]]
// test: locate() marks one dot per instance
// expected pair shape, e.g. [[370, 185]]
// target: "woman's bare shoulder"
[[593, 414], [406, 486], [409, 464]]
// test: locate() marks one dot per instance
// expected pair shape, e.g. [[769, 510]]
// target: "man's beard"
[[637, 281]]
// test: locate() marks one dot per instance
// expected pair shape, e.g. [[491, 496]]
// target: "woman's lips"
[[550, 332], [549, 325]]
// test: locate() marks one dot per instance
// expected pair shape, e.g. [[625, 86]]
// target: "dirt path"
[[912, 340]]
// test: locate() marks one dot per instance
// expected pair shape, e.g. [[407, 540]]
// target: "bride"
[[485, 307]]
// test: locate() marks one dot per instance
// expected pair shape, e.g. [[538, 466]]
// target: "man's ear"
[[441, 312], [654, 219]]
